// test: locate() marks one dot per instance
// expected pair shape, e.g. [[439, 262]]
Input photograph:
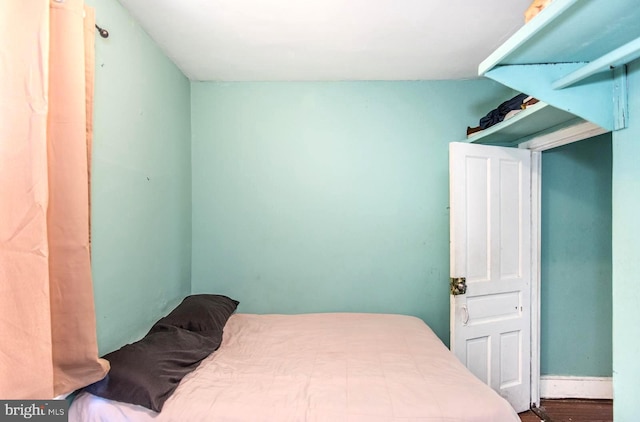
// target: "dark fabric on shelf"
[[497, 115]]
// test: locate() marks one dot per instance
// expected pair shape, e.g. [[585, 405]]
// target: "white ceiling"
[[293, 40]]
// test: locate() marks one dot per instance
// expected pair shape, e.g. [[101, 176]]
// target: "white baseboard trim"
[[563, 387]]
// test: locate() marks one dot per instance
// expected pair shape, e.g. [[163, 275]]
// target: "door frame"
[[537, 145], [536, 214]]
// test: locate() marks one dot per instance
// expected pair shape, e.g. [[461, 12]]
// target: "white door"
[[490, 201]]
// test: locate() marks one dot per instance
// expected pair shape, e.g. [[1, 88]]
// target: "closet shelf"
[[572, 56], [535, 120]]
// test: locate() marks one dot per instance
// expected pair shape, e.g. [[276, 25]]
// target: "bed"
[[319, 367]]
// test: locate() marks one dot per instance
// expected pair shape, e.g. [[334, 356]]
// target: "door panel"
[[490, 201], [493, 307], [478, 357]]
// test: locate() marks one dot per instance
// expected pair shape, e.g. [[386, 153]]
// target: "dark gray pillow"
[[203, 313], [147, 372]]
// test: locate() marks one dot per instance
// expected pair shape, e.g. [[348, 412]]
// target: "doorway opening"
[[576, 270]]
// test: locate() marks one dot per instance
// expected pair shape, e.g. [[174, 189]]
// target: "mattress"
[[320, 367]]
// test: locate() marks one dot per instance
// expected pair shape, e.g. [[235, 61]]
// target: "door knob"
[[458, 285]]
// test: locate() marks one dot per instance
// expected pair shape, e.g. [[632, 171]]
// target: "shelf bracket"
[[591, 101]]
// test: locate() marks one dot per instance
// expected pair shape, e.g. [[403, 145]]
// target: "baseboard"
[[563, 387]]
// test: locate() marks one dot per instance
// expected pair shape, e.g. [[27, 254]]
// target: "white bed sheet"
[[320, 367]]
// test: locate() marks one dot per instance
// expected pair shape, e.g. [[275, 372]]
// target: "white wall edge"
[[564, 387], [564, 136]]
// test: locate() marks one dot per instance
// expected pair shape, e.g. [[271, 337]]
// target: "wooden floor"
[[572, 411]]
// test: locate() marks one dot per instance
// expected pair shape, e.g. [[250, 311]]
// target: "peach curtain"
[[47, 320]]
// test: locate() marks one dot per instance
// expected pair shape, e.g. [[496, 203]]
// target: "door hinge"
[[458, 285]]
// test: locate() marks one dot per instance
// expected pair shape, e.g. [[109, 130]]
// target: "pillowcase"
[[204, 313], [147, 372]]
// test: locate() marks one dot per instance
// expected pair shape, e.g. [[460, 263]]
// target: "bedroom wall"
[[626, 253], [315, 197], [141, 181], [576, 309]]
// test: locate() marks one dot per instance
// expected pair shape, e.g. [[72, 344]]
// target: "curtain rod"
[[103, 32]]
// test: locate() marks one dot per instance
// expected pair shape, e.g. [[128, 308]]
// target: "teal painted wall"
[[315, 197], [576, 259], [141, 181], [626, 258]]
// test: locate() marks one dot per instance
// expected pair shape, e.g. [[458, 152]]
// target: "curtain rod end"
[[103, 32]]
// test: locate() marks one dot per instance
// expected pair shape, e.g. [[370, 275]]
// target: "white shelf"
[[536, 119]]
